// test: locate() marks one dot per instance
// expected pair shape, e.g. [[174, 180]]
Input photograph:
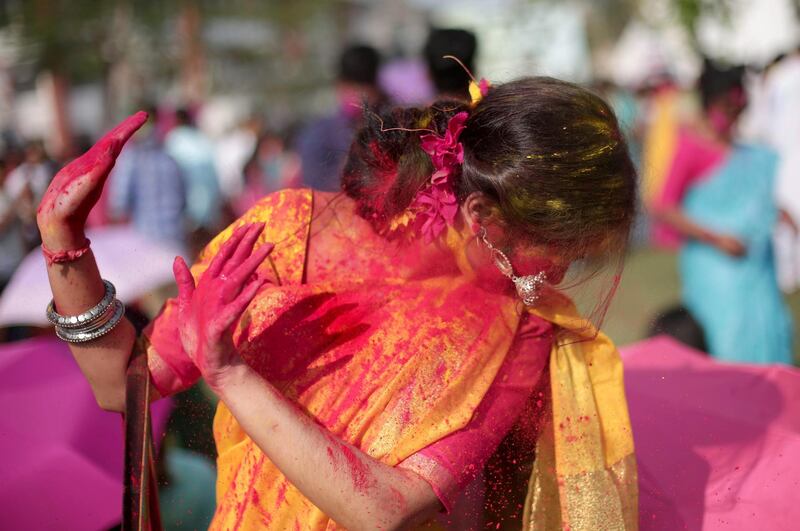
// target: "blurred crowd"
[[179, 185]]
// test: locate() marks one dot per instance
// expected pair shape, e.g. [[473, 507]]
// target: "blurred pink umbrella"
[[61, 456], [718, 444], [134, 263]]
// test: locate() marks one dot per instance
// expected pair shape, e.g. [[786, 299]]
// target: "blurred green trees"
[[56, 34], [278, 52], [143, 49]]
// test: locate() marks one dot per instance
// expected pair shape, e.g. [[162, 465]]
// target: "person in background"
[[233, 151], [194, 153], [271, 168], [718, 196], [12, 243], [780, 129], [25, 185], [450, 78], [679, 324], [405, 81], [324, 143], [147, 186], [665, 106]]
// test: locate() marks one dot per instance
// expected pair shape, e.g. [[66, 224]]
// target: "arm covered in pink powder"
[[351, 487], [76, 284], [354, 489]]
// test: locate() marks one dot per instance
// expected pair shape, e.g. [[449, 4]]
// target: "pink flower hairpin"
[[436, 204]]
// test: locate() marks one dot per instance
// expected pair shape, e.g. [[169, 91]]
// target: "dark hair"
[[678, 323], [717, 81], [359, 64], [183, 116], [549, 153], [447, 75]]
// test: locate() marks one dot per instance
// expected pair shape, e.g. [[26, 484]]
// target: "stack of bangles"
[[91, 324]]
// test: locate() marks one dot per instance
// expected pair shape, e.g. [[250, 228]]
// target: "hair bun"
[[386, 165]]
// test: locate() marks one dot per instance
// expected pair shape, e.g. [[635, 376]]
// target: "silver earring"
[[528, 286]]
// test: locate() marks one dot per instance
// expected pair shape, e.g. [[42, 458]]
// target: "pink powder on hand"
[[398, 499]]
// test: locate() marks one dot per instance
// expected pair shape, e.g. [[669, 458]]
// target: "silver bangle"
[[94, 325], [89, 316], [89, 334]]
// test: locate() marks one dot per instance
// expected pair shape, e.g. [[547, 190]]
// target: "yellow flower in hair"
[[477, 91]]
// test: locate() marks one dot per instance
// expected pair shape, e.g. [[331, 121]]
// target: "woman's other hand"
[[207, 311], [729, 245], [75, 189]]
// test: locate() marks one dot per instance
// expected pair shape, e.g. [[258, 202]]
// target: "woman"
[[271, 167], [371, 349], [719, 196]]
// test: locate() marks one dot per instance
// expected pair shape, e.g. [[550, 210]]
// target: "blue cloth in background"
[[737, 300], [189, 501]]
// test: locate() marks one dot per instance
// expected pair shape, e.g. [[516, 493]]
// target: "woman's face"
[[269, 147], [532, 259], [723, 113], [526, 259]]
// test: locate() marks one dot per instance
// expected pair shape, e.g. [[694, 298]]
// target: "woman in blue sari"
[[719, 197]]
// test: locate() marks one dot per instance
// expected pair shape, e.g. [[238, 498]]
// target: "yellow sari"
[[394, 366]]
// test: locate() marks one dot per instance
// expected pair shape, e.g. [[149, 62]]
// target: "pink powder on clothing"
[[281, 496], [250, 494]]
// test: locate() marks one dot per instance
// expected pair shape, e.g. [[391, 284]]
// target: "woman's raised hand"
[[207, 311], [77, 186]]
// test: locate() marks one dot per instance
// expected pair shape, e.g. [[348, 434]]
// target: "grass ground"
[[649, 285]]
